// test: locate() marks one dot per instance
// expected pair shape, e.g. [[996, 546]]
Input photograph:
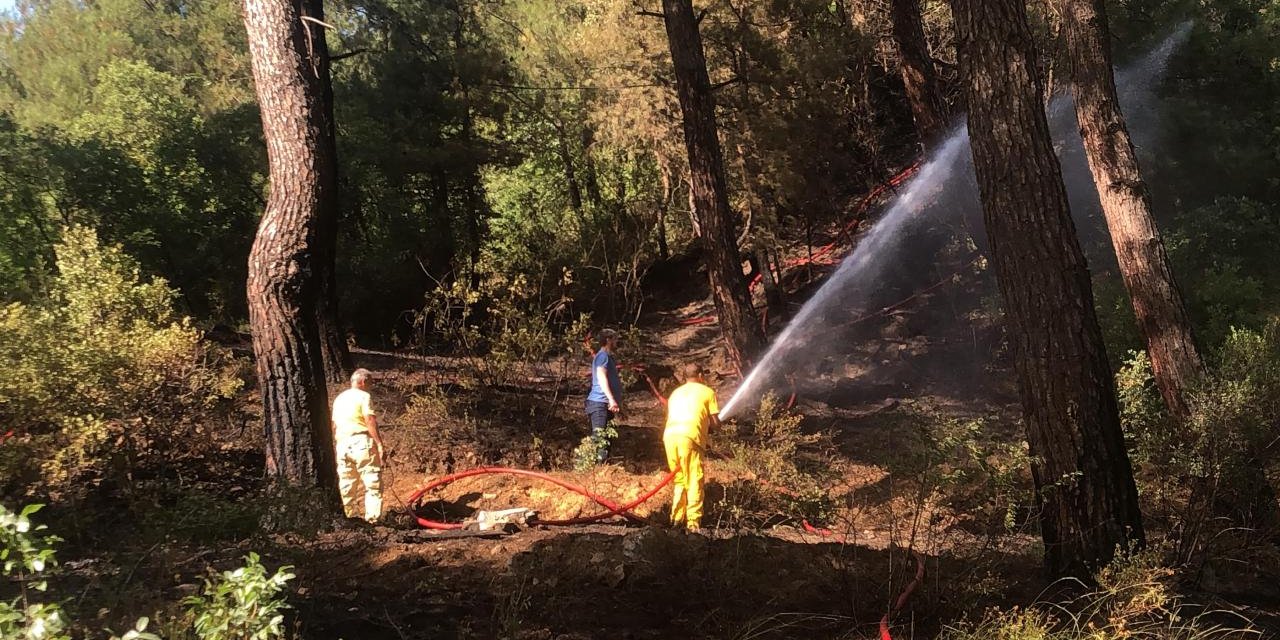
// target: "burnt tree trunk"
[[285, 283], [928, 109], [1126, 203], [709, 188], [1083, 479], [333, 348]]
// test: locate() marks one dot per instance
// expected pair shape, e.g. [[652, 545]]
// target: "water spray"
[[945, 187]]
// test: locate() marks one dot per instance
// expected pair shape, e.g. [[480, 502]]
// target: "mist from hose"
[[944, 191]]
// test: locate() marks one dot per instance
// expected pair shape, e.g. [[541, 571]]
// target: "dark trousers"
[[600, 416]]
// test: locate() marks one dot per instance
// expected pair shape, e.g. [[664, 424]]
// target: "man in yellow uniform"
[[359, 449], [691, 411]]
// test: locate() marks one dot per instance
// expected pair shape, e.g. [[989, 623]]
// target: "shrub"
[[102, 375], [960, 463], [492, 325], [587, 454], [243, 604], [28, 556], [1215, 464]]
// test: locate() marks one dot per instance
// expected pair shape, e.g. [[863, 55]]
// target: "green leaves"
[[246, 603]]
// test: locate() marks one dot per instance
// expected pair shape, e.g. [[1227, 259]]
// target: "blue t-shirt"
[[605, 359]]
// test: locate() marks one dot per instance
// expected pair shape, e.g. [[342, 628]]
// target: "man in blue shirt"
[[605, 397]]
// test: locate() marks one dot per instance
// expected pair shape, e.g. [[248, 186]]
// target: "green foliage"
[[28, 558], [246, 603], [102, 372], [586, 456], [1215, 463]]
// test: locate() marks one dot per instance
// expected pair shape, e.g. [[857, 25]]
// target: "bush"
[[29, 557], [1213, 467], [587, 454], [245, 603], [101, 375]]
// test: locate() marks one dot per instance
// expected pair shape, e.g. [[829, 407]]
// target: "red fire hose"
[[614, 509], [903, 597]]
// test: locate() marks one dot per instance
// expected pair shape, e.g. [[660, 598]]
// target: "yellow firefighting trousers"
[[685, 458], [360, 477]]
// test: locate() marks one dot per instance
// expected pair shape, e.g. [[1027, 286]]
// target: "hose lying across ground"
[[614, 509], [625, 511]]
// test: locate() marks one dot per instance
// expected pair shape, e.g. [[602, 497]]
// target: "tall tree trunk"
[[283, 285], [928, 108], [333, 347], [1126, 203], [709, 188], [1084, 483]]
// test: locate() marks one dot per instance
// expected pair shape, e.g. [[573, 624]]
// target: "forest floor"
[[920, 454]]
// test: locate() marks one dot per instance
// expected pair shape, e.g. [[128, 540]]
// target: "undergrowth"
[[1135, 598], [788, 471], [103, 380]]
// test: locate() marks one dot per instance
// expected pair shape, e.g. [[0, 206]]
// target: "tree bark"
[[1126, 204], [709, 188], [928, 109], [333, 346], [284, 283], [1083, 479]]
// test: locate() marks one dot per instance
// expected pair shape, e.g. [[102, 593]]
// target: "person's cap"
[[607, 334]]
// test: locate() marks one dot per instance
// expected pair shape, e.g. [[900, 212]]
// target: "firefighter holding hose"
[[691, 412], [359, 450]]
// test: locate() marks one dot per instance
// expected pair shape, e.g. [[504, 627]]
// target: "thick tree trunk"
[[1084, 483], [709, 188], [333, 347], [928, 108], [284, 286], [1126, 203]]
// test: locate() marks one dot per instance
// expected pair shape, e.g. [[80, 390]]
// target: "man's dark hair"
[[692, 370], [606, 334]]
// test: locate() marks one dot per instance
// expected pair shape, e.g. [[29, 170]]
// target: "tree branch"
[[346, 54], [734, 80]]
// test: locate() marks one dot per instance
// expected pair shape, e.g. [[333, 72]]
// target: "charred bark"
[[333, 347], [709, 189], [285, 282], [1083, 479]]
